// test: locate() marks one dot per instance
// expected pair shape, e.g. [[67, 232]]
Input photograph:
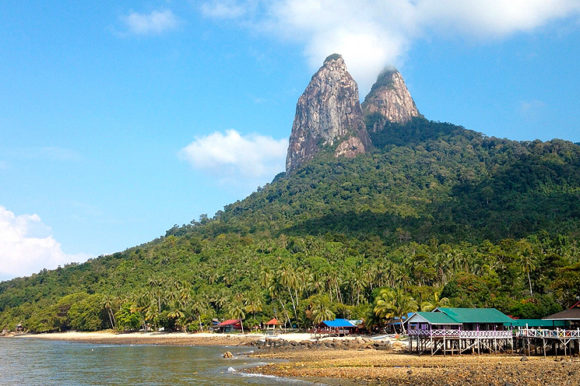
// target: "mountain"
[[431, 209], [328, 114], [389, 100]]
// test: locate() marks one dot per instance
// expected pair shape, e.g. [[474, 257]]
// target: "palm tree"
[[108, 302], [289, 280], [236, 310], [253, 303], [394, 303], [527, 259], [198, 307], [384, 307], [357, 283], [320, 309], [435, 302]]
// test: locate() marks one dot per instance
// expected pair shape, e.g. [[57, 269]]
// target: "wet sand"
[[376, 367]]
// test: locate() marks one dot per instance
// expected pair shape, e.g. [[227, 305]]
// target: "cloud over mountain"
[[372, 34]]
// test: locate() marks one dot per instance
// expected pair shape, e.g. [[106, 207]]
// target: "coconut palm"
[[235, 310], [320, 309], [289, 280], [527, 260], [435, 302], [253, 303], [394, 304], [108, 304]]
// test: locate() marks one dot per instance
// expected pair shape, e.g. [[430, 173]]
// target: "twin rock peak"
[[329, 114]]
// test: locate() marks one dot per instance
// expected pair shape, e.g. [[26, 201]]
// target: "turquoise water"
[[40, 362]]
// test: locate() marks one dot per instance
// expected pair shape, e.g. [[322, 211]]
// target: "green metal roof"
[[435, 318], [476, 315], [536, 323]]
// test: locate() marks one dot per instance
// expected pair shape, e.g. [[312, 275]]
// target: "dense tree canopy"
[[435, 213]]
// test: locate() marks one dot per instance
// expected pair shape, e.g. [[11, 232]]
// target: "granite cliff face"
[[328, 114], [389, 99]]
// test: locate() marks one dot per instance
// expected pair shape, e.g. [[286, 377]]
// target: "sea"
[[41, 362]]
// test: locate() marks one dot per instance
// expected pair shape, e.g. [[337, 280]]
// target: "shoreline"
[[201, 338], [344, 360], [153, 338]]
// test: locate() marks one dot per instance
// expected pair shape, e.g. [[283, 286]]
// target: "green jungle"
[[435, 215]]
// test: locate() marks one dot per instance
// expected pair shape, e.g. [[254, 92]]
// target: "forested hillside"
[[436, 214]]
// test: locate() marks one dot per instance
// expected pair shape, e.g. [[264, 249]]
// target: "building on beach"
[[570, 316], [338, 327], [457, 330], [271, 325], [229, 325]]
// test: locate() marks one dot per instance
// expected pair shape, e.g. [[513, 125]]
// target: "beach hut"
[[271, 325], [336, 327], [229, 325], [570, 316]]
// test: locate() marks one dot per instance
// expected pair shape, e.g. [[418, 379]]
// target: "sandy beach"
[[157, 338], [172, 338]]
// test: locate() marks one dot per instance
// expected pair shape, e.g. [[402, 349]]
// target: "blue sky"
[[120, 119]]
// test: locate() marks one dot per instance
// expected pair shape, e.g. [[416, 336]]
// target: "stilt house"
[[459, 329]]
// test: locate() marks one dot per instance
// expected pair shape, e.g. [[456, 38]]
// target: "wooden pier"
[[524, 340], [452, 341], [556, 341]]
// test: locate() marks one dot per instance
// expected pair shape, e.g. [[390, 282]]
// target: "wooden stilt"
[[544, 346]]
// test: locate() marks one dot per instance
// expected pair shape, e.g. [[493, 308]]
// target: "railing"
[[543, 333], [523, 333], [440, 333]]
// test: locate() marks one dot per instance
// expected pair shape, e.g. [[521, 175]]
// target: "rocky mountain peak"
[[390, 98], [328, 114]]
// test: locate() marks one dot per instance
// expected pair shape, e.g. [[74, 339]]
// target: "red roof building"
[[229, 325]]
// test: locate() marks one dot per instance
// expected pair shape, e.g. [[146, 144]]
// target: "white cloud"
[[493, 18], [531, 110], [233, 156], [26, 246], [224, 9], [373, 34], [153, 23]]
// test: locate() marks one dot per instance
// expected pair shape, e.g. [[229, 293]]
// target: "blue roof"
[[405, 317], [338, 323]]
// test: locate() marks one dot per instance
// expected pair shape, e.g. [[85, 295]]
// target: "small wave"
[[279, 379], [258, 375]]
